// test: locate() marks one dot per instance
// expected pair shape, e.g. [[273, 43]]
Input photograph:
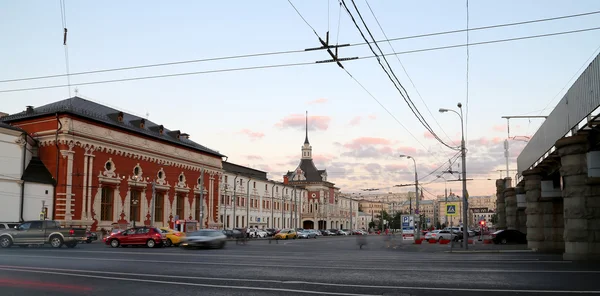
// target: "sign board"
[[451, 209], [408, 221], [480, 210]]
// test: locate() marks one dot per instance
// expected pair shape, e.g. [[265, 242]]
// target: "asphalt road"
[[324, 266]]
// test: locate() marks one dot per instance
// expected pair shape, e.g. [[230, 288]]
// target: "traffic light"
[[482, 223]]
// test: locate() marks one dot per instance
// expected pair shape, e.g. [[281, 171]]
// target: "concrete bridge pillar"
[[535, 224], [581, 200], [521, 205], [500, 206], [510, 203]]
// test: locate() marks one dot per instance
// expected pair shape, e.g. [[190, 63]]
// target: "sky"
[[256, 117]]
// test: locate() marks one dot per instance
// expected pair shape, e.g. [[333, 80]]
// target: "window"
[[135, 205], [254, 185], [266, 188], [159, 201], [225, 179], [36, 225], [180, 206], [198, 208], [106, 204]]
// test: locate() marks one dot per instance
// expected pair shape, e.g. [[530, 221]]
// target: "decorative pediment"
[[299, 175], [108, 175], [181, 185]]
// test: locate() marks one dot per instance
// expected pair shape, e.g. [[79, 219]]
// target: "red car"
[[148, 236]]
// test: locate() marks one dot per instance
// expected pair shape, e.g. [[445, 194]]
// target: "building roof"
[[36, 172], [10, 127], [244, 171], [107, 115], [311, 173]]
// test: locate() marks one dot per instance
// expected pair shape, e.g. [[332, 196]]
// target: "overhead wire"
[[391, 75], [296, 51], [308, 63], [405, 71], [302, 17], [63, 16]]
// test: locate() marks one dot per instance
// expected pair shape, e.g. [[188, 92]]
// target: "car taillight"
[[177, 233], [433, 234], [71, 232]]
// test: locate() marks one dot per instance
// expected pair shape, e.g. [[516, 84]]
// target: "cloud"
[[366, 141], [252, 135], [317, 101], [323, 158], [254, 157], [499, 128], [263, 167], [372, 116], [355, 121], [396, 167], [298, 121], [428, 135]]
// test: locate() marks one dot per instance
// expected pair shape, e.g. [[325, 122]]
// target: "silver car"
[[204, 238]]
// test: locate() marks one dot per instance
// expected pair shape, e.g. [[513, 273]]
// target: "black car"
[[509, 236], [235, 233], [90, 237]]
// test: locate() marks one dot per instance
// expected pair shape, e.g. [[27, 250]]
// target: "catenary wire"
[[311, 63], [298, 51], [405, 71]]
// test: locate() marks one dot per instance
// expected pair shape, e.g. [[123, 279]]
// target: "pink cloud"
[[318, 101], [411, 151], [355, 120], [499, 128], [263, 167], [428, 135], [396, 167], [254, 157], [252, 135], [323, 158], [372, 116], [366, 141], [298, 121]]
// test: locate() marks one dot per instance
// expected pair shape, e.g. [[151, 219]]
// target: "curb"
[[493, 251]]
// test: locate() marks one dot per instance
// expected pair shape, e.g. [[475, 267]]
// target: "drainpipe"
[[22, 202], [57, 161]]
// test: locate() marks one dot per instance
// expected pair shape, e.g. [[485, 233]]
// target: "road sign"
[[408, 221], [451, 209]]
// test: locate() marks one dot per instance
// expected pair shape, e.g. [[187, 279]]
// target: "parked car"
[[204, 238], [8, 225], [306, 234], [509, 236], [233, 233], [148, 236], [41, 232], [286, 234]]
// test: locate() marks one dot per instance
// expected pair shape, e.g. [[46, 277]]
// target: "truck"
[[40, 232]]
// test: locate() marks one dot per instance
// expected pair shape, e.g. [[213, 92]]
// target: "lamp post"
[[417, 232], [464, 173]]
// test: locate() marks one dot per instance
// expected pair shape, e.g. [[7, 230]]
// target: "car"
[[286, 234], [40, 232], [306, 234], [148, 236], [90, 237], [204, 238], [173, 236], [509, 236]]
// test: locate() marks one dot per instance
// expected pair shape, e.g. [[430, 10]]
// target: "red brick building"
[[109, 164]]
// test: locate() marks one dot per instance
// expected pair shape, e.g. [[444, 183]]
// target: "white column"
[[211, 197], [69, 190]]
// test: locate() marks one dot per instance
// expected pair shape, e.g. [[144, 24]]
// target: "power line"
[[406, 72], [298, 12], [307, 63], [298, 51], [395, 79]]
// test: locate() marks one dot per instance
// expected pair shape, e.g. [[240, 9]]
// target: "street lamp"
[[417, 232], [464, 173]]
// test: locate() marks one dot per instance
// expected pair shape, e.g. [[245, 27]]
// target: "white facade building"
[[26, 186], [363, 220], [258, 202]]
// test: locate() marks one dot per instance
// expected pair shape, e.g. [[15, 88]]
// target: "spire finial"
[[306, 139]]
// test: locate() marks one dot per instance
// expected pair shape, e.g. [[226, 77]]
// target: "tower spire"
[[306, 138]]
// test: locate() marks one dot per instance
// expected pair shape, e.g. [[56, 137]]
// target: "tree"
[[371, 225], [438, 225]]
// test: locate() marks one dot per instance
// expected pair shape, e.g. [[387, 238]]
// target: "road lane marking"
[[477, 270], [368, 259], [446, 289]]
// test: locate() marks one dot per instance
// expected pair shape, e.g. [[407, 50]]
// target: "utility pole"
[[506, 146]]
